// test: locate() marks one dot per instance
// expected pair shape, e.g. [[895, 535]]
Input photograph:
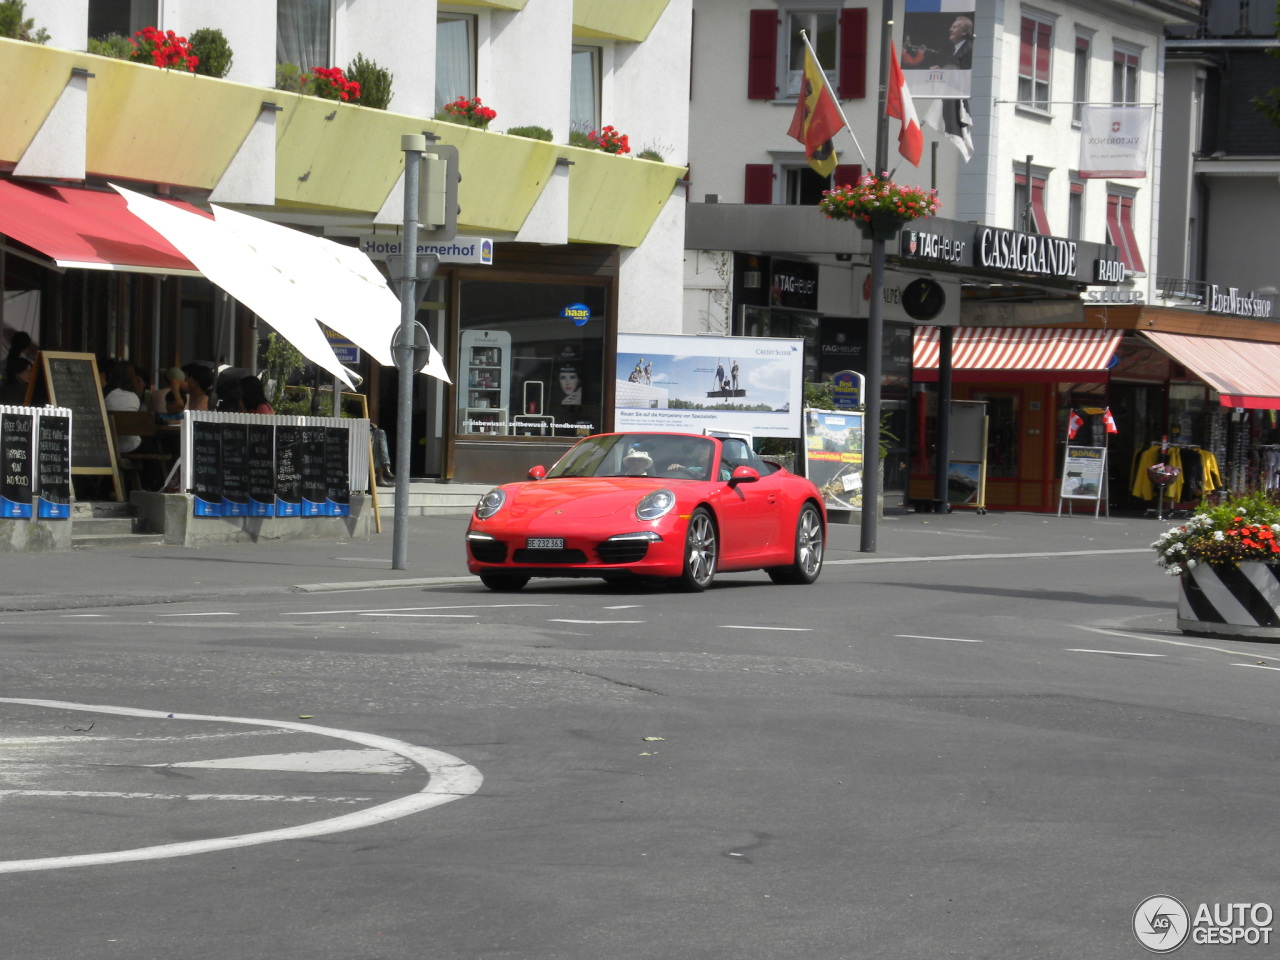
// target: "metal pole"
[[942, 456], [875, 319], [414, 146]]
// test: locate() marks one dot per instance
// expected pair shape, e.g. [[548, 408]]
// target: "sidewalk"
[[174, 574]]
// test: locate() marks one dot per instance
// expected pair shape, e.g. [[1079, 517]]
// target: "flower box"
[[877, 206]]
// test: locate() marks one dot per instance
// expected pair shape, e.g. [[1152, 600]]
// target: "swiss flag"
[[1109, 421], [900, 105], [1074, 423]]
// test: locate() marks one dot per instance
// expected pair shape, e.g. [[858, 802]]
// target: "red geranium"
[[610, 140], [164, 49], [468, 110], [330, 83]]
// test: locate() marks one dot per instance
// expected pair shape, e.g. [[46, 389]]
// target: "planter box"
[[1234, 600]]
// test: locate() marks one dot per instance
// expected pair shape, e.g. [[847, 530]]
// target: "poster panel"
[[964, 482], [1114, 142], [748, 385], [936, 55], [833, 456], [1083, 470]]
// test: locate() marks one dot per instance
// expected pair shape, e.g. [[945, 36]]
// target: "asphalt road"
[[990, 757]]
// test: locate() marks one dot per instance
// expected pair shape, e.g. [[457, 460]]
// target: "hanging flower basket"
[[877, 206]]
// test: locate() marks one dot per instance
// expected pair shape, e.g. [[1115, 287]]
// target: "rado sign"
[[1026, 252]]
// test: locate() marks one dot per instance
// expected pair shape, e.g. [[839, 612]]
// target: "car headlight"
[[656, 504], [490, 503]]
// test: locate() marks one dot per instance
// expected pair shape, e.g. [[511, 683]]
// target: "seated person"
[[691, 462], [636, 463]]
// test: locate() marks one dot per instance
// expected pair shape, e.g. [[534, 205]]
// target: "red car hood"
[[580, 497]]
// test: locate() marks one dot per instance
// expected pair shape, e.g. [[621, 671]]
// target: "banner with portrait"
[[937, 48]]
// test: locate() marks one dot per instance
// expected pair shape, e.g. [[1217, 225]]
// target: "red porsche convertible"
[[672, 505]]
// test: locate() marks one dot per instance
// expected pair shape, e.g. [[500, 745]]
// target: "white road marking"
[[735, 626], [986, 556], [456, 616], [1115, 653], [624, 606], [320, 761], [450, 778], [1256, 666], [561, 620], [170, 797], [916, 636], [361, 560], [211, 613], [452, 606], [68, 616], [1166, 640], [28, 741]]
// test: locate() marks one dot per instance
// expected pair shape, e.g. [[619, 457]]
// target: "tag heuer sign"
[[928, 245]]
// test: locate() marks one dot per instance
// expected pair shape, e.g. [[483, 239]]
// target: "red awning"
[[1021, 354], [1244, 373], [88, 229]]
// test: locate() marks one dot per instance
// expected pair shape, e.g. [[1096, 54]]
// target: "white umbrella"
[[339, 284], [243, 272]]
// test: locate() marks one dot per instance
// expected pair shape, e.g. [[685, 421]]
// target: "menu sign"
[[206, 467], [235, 470], [15, 455], [337, 450], [288, 471], [53, 467], [73, 382], [314, 488], [260, 441]]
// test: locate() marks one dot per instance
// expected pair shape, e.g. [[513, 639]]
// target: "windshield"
[[668, 455]]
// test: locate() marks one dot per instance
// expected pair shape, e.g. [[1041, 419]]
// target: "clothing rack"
[[1198, 472]]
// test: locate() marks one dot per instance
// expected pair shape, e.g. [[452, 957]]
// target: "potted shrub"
[[114, 45], [531, 132], [292, 78], [14, 26], [212, 51], [374, 81], [877, 206], [1227, 561]]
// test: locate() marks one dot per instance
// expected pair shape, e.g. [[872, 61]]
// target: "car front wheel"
[[503, 582], [700, 552], [808, 550]]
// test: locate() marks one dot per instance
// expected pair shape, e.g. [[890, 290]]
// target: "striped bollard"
[[1235, 600]]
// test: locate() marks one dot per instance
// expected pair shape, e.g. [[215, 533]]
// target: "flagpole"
[[875, 318], [835, 100]]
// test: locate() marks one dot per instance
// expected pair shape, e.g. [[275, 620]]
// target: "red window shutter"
[[847, 174], [762, 56], [1038, 212], [759, 183], [853, 54], [1026, 51], [1130, 238], [1115, 233]]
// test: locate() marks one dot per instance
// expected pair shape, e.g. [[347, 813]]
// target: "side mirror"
[[537, 473], [743, 475]]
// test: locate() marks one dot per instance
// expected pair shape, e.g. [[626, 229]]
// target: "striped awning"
[[1007, 354], [1245, 374]]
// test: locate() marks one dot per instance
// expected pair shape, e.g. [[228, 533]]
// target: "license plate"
[[545, 543]]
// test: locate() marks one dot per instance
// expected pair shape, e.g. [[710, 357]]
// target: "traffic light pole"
[[414, 146]]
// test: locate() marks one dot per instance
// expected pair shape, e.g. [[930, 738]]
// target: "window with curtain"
[[125, 17], [584, 89], [1120, 230], [304, 33], [821, 29], [1034, 56], [1080, 84], [455, 57], [1124, 76]]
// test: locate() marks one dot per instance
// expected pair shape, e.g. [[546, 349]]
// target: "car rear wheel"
[[504, 582], [700, 552], [808, 551]]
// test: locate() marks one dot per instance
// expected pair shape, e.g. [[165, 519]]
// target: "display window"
[[531, 359]]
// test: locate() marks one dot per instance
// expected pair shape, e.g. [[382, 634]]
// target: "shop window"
[[304, 33], [1120, 230], [1034, 59], [1030, 215], [584, 89], [455, 57], [123, 17], [526, 366], [1003, 431], [776, 51], [1124, 76], [1080, 82]]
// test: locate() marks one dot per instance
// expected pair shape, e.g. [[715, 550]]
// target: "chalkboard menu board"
[[53, 467], [289, 471], [235, 469], [206, 467], [260, 440], [72, 380], [314, 488], [16, 461], [337, 451]]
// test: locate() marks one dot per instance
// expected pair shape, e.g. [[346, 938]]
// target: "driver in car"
[[691, 463]]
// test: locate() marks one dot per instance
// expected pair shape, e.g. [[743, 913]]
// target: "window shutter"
[[847, 174], [759, 183], [1026, 48], [1044, 45], [853, 54], [762, 56]]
